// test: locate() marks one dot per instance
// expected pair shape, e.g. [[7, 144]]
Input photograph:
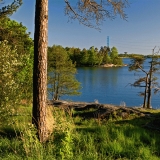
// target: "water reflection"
[[97, 76], [109, 85]]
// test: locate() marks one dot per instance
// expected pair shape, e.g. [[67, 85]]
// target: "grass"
[[75, 138]]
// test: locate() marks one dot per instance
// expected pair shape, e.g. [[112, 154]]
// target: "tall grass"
[[77, 139]]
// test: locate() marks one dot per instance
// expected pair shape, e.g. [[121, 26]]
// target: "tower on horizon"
[[108, 41]]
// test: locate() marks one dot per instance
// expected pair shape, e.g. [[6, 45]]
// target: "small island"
[[105, 56]]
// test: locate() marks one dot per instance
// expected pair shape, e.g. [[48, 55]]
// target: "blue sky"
[[139, 34]]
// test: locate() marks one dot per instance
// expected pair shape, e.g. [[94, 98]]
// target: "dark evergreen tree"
[[16, 35], [61, 76]]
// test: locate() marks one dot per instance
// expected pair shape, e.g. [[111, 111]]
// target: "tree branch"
[[89, 11], [9, 9]]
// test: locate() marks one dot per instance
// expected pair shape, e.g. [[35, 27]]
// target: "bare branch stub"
[[92, 13]]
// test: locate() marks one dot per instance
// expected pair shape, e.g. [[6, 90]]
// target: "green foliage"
[[16, 35], [136, 63], [61, 73], [74, 54], [16, 63], [114, 56], [126, 55], [9, 9], [93, 56], [25, 75], [84, 57], [114, 53], [107, 59], [9, 90]]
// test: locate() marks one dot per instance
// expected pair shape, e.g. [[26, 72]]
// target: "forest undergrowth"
[[76, 138]]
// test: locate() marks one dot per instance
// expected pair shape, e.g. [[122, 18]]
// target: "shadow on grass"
[[85, 114], [151, 122], [139, 133], [9, 133], [144, 119]]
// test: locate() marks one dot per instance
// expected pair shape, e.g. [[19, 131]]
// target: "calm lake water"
[[110, 86]]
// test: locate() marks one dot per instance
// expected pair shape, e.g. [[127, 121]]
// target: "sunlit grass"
[[78, 139]]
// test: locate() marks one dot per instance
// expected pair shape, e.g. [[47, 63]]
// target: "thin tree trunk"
[[149, 95], [150, 85], [56, 93], [145, 92], [40, 69]]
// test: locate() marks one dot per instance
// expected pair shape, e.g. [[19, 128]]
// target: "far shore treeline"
[[91, 56], [96, 57], [132, 55]]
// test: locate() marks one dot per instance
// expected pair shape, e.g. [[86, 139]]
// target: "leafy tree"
[[61, 73], [84, 57], [117, 61], [86, 12], [9, 90], [106, 59], [93, 58], [149, 81], [99, 58], [114, 53], [114, 56], [15, 60], [74, 54], [16, 35], [104, 51]]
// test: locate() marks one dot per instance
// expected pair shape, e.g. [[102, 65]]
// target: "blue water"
[[110, 86]]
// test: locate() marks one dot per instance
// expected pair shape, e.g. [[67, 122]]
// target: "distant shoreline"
[[106, 65], [113, 65]]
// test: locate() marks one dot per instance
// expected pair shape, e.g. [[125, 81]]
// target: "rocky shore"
[[100, 111], [113, 65]]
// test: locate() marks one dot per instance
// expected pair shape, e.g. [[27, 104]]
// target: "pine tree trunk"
[[145, 92], [56, 92], [150, 85], [149, 95], [40, 69]]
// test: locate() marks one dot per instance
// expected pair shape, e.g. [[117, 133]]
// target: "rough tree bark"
[[145, 92], [92, 10], [40, 69], [150, 85]]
